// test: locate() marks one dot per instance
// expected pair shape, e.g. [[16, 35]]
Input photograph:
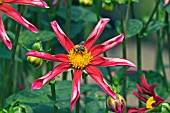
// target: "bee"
[[79, 48]]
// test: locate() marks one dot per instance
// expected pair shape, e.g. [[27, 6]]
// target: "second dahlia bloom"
[[81, 57], [11, 12], [151, 102]]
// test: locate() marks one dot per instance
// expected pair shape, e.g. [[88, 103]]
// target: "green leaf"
[[78, 13], [27, 37], [95, 103], [75, 29], [39, 102], [153, 27], [134, 27], [6, 54]]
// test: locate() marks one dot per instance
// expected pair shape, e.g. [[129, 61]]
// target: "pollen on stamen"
[[149, 102], [79, 59]]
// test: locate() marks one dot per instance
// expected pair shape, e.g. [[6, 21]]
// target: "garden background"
[[144, 23]]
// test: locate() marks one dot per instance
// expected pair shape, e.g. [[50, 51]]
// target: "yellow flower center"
[[1, 1], [79, 57], [149, 102]]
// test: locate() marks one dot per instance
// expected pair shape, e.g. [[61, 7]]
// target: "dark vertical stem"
[[124, 28], [18, 29], [97, 9], [52, 85], [123, 51], [105, 54], [68, 15], [78, 105], [167, 31], [7, 89], [68, 25], [139, 54]]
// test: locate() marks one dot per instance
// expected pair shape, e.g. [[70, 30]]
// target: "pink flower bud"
[[116, 105]]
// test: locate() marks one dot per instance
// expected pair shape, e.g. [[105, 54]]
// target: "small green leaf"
[[27, 37], [134, 27], [153, 27]]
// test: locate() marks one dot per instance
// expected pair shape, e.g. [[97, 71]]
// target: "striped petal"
[[139, 96], [75, 87], [39, 3], [37, 84], [100, 48], [63, 39], [3, 35], [11, 12], [47, 56], [96, 32], [103, 61], [96, 75]]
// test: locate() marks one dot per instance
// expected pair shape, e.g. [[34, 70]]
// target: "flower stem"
[[18, 29], [168, 36], [68, 26], [52, 85], [97, 9], [78, 105], [68, 15], [124, 28], [139, 54], [105, 54]]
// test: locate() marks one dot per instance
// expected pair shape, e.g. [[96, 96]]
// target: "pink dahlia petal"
[[11, 12], [75, 87], [103, 61], [166, 2], [100, 48], [3, 35], [144, 83], [39, 3], [158, 100], [152, 87], [139, 96], [137, 110], [149, 90], [37, 84], [139, 88], [96, 32], [96, 75], [47, 56], [63, 39]]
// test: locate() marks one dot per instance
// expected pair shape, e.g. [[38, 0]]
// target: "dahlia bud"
[[108, 5], [36, 62], [86, 2], [37, 46], [116, 105]]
